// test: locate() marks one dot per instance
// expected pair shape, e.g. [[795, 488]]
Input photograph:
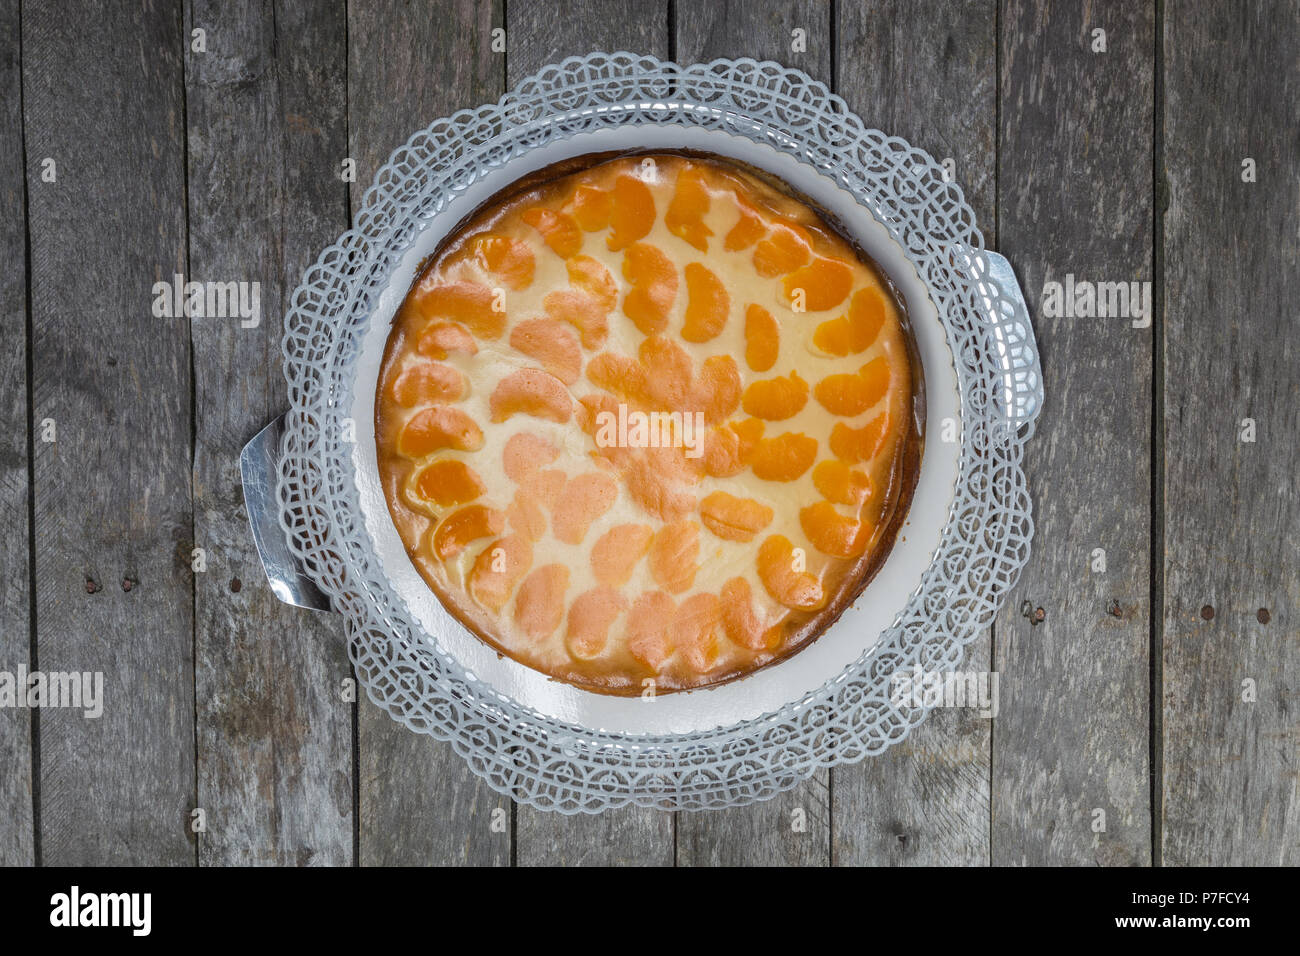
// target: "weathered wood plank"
[[538, 34], [794, 828], [1231, 757], [764, 30], [266, 118], [1075, 198], [17, 833], [924, 802], [630, 836], [103, 98], [541, 33], [420, 804]]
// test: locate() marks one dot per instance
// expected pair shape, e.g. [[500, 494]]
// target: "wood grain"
[[266, 132], [1072, 160], [17, 831], [112, 494], [1231, 764], [538, 34], [409, 65], [762, 30], [924, 802], [794, 828], [1074, 184]]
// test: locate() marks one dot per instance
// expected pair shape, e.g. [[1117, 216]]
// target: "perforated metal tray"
[[829, 704]]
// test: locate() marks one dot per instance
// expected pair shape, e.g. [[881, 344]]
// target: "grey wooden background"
[[1131, 697]]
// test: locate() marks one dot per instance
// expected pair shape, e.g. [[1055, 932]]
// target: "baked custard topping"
[[647, 419]]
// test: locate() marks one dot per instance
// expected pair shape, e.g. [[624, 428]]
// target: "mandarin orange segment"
[[591, 615], [834, 337], [837, 482], [438, 427], [551, 342], [876, 376], [591, 208], [732, 518], [439, 338], [656, 494], [619, 374], [530, 391], [685, 215], [469, 303], [825, 284], [672, 463], [673, 556], [750, 431], [459, 528], [524, 454], [428, 382], [833, 533], [867, 313], [851, 395], [511, 259], [693, 631], [585, 499], [539, 605], [740, 623], [728, 449], [776, 399], [747, 231], [654, 287], [631, 214], [616, 552], [722, 456], [717, 391], [785, 457], [787, 249], [853, 333], [647, 628], [581, 310], [779, 568], [497, 569], [762, 338], [525, 516], [559, 231], [707, 304], [855, 445], [841, 394], [592, 277], [668, 372], [449, 481]]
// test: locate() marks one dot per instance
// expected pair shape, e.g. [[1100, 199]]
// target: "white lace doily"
[[552, 764]]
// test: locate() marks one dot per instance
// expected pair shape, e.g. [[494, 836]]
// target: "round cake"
[[648, 421]]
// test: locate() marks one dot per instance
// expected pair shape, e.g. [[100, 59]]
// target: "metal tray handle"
[[1021, 395], [259, 466]]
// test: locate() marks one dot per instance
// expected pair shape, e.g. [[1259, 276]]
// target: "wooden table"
[[1151, 717]]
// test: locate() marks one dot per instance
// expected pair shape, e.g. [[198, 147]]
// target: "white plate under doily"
[[552, 745]]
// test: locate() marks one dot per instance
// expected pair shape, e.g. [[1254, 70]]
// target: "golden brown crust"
[[674, 287]]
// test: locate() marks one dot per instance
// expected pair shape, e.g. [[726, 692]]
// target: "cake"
[[648, 421]]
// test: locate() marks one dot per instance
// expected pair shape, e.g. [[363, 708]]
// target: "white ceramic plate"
[[773, 687]]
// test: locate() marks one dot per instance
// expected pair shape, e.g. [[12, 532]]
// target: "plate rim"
[[544, 771]]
